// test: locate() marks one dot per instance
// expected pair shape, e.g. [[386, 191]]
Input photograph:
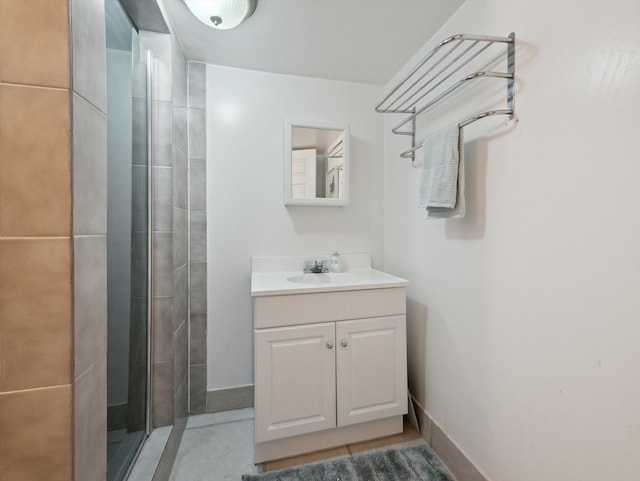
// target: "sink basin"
[[274, 276], [322, 279]]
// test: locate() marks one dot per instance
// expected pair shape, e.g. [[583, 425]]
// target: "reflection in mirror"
[[315, 165]]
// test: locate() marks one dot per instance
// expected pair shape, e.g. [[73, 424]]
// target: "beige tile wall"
[[35, 313], [35, 242], [34, 160], [34, 42], [45, 454]]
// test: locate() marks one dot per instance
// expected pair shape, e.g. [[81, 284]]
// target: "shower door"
[[127, 243]]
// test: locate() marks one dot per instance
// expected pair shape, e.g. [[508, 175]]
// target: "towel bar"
[[409, 153], [417, 92]]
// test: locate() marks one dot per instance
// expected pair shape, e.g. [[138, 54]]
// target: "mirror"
[[316, 164]]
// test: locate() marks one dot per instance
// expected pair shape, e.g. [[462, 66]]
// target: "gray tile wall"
[[163, 382], [197, 239], [179, 164], [89, 56], [89, 168], [170, 383], [170, 238]]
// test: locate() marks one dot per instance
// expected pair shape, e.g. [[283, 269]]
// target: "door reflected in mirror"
[[316, 164]]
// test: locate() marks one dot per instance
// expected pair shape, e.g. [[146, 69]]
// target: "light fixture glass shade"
[[221, 14]]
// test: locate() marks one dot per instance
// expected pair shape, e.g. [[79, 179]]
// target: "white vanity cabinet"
[[371, 369], [330, 369], [295, 380]]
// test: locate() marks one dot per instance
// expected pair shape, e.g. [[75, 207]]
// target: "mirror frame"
[[326, 202]]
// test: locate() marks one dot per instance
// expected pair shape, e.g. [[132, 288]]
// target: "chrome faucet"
[[315, 267]]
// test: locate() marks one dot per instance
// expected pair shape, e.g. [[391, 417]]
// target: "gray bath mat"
[[417, 463]]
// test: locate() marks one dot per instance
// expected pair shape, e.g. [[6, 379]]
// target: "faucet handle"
[[315, 267], [321, 266]]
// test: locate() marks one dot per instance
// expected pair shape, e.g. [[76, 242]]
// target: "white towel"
[[442, 179]]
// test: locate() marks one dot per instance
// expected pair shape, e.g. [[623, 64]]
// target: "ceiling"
[[364, 41]]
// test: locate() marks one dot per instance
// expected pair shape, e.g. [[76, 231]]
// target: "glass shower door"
[[127, 243]]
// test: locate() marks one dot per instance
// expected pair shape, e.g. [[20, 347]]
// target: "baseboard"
[[229, 399], [449, 453]]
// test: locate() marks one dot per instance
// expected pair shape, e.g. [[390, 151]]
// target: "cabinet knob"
[[330, 345], [344, 343]]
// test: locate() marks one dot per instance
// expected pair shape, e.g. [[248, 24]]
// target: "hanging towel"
[[442, 179]]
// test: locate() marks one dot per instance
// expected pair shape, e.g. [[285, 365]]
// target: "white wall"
[[524, 317], [246, 215]]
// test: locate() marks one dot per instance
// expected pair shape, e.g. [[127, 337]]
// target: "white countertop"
[[267, 278]]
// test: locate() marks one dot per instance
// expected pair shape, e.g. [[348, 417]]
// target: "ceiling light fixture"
[[222, 14]]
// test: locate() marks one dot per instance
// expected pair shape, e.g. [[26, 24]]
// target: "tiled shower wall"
[[162, 172], [89, 160], [52, 268], [170, 240], [180, 315], [53, 323], [197, 238]]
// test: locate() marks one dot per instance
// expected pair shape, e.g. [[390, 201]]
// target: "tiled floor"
[[219, 447]]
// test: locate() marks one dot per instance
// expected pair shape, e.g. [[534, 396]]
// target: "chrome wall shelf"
[[432, 80]]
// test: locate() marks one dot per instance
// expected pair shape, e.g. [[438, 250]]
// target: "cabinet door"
[[294, 380], [371, 369]]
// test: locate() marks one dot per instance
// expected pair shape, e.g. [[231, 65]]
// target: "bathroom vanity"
[[330, 355]]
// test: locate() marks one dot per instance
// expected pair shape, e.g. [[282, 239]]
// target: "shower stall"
[[128, 241]]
